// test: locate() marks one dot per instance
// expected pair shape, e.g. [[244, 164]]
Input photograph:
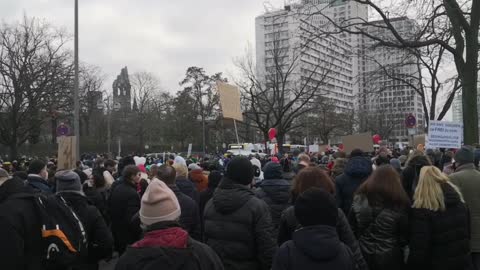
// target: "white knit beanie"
[[159, 203]]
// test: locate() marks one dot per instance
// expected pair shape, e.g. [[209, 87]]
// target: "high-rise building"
[[385, 97]]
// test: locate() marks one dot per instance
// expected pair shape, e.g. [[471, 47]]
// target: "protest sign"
[[442, 134], [230, 101], [361, 141], [66, 153], [418, 139]]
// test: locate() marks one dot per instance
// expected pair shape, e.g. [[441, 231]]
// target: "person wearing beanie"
[[37, 177], [190, 214], [467, 179], [257, 165], [183, 183], [198, 176], [100, 240], [165, 244], [274, 191], [316, 245], [238, 225]]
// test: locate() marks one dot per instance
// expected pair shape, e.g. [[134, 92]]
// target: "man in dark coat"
[[184, 184], [275, 191], [190, 217], [100, 241], [20, 227], [358, 169], [214, 179], [165, 244], [316, 245], [412, 171], [238, 225], [467, 178], [123, 205], [37, 177]]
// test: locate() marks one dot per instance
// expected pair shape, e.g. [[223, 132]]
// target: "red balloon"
[[272, 133], [376, 139]]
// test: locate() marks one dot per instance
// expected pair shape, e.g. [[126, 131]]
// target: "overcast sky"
[[163, 37]]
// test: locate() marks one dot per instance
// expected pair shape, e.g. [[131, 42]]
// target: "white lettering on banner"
[[445, 135]]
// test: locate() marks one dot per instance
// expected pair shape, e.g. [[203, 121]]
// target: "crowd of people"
[[386, 210]]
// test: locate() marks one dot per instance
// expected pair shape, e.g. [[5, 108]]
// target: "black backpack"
[[64, 240]]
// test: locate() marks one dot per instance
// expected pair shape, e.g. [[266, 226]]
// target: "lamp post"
[[76, 103]]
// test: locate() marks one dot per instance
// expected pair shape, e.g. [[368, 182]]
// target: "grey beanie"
[[465, 155], [68, 181]]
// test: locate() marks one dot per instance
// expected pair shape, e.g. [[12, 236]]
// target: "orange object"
[[199, 179]]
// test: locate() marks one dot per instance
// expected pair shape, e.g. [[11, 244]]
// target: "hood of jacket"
[[230, 196], [358, 167], [10, 187], [278, 190], [272, 171], [450, 195], [39, 183], [317, 242]]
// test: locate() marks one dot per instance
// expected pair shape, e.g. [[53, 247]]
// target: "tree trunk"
[[13, 151], [280, 140], [469, 90]]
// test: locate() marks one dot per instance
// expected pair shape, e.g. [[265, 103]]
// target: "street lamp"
[[76, 103]]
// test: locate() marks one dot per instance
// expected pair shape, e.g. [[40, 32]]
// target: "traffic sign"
[[411, 121], [63, 130]]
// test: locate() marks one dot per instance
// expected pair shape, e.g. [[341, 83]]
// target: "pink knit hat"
[[159, 203]]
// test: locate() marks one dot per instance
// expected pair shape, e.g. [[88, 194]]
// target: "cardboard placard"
[[323, 148], [230, 101], [66, 153], [418, 139], [361, 141]]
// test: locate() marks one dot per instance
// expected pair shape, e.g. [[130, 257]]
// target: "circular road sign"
[[63, 130], [411, 121]]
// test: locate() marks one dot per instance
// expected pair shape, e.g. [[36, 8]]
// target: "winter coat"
[[440, 240], [188, 188], [20, 228], [200, 179], [411, 173], [289, 225], [314, 247], [100, 241], [39, 184], [239, 228], [467, 178], [205, 196], [167, 246], [276, 193], [356, 172], [381, 233], [99, 198], [124, 204], [190, 216]]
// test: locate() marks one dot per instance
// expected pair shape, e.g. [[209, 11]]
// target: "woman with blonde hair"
[[439, 236]]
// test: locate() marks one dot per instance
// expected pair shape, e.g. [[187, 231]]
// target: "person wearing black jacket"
[[38, 176], [185, 185], [165, 244], [275, 191], [124, 203], [379, 219], [20, 227], [214, 179], [100, 241], [316, 244], [313, 177], [439, 228], [412, 171], [238, 226], [190, 217], [356, 172]]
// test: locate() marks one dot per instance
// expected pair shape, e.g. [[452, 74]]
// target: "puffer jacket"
[[314, 247], [167, 246], [440, 240], [239, 228], [275, 192], [382, 233], [356, 172], [289, 224], [188, 188]]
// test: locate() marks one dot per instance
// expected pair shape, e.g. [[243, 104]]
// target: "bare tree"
[[437, 21], [33, 63]]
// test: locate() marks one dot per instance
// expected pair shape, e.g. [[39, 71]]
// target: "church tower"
[[122, 93]]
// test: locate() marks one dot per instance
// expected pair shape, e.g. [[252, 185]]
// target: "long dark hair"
[[384, 188], [129, 172]]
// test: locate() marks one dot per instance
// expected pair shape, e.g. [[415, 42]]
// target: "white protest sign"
[[443, 134], [189, 150]]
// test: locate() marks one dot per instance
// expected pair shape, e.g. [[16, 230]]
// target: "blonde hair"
[[429, 193], [181, 169]]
